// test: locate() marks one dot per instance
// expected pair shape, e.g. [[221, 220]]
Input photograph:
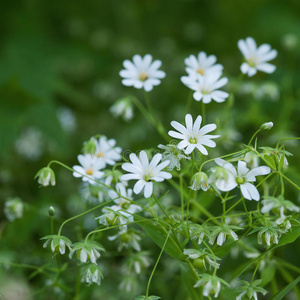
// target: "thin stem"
[[157, 261], [290, 181], [253, 136]]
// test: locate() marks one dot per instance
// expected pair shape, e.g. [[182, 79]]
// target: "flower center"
[[148, 175], [193, 140], [252, 62], [100, 154], [205, 91], [89, 172], [143, 76], [240, 180], [201, 71]]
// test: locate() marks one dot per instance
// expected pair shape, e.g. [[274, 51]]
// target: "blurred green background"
[[59, 65]]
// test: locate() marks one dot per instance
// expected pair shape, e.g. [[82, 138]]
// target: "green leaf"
[[270, 162], [286, 290], [289, 237], [159, 235], [188, 280], [267, 274]]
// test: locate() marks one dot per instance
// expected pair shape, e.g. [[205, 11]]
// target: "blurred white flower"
[[58, 243], [30, 144], [90, 274], [206, 87], [13, 208], [203, 64], [256, 57], [67, 119], [145, 172], [240, 177], [142, 72], [122, 108], [192, 136]]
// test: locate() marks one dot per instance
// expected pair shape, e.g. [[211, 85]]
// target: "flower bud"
[[51, 211], [45, 176], [89, 147], [266, 126], [199, 181], [123, 108]]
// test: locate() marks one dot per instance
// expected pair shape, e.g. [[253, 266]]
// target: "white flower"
[[106, 151], [58, 243], [122, 108], [266, 126], [45, 176], [206, 87], [203, 64], [211, 284], [91, 274], [128, 239], [173, 154], [199, 181], [256, 57], [13, 209], [240, 177], [89, 169], [221, 234], [87, 251], [142, 73], [192, 136], [145, 172]]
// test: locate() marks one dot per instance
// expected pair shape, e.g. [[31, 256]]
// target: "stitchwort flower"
[[122, 108], [203, 64], [45, 176], [193, 136], [91, 274], [241, 177], [206, 87], [256, 57], [142, 72], [89, 169], [58, 243], [13, 208], [250, 289], [140, 169], [87, 251]]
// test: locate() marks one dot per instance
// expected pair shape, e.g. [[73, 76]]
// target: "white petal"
[[139, 186], [267, 68], [148, 189]]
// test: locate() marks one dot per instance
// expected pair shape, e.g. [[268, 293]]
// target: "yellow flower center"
[[193, 141], [100, 154], [148, 175], [89, 172], [143, 76], [201, 71]]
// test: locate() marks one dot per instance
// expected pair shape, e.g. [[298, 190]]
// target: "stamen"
[[143, 76], [201, 71]]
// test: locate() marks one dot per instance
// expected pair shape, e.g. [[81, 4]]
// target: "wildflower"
[[94, 193], [211, 284], [240, 177], [121, 213], [89, 169], [128, 239], [201, 257], [137, 262], [250, 289], [199, 232], [13, 208], [173, 154], [106, 151], [199, 181], [90, 274], [256, 57], [192, 136], [30, 144], [203, 64], [58, 243], [113, 177], [87, 251], [45, 176], [206, 87], [145, 172], [283, 222], [221, 233], [278, 203], [142, 72], [268, 235], [129, 284], [122, 108]]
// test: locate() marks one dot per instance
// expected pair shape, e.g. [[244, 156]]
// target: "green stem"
[[253, 136], [160, 254], [290, 181]]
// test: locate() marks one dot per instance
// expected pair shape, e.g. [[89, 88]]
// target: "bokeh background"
[[59, 75]]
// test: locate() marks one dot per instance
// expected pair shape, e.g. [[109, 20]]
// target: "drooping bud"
[[199, 181], [51, 211], [45, 176]]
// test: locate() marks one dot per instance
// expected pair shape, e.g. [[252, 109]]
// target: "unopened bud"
[[45, 176], [266, 126], [89, 147], [51, 211], [199, 181]]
